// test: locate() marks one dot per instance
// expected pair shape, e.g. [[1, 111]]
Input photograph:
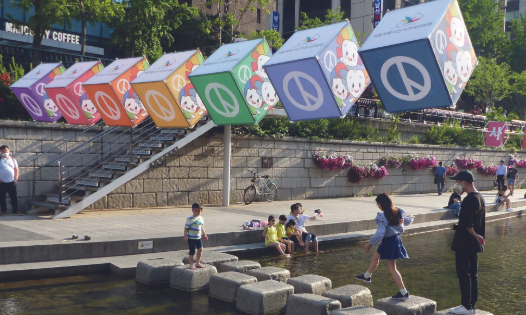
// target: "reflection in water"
[[430, 272]]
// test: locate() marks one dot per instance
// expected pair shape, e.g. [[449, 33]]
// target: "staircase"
[[107, 161]]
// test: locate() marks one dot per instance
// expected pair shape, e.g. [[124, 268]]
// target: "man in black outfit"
[[468, 242]]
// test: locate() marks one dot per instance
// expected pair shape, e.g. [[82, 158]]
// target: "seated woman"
[[503, 197]]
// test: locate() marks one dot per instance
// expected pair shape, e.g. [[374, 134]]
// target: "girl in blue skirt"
[[390, 225]]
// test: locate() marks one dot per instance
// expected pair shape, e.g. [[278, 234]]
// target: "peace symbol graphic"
[[167, 112], [244, 74], [123, 85], [329, 60], [310, 102], [77, 88], [114, 112], [178, 83], [40, 89], [227, 110], [440, 41], [67, 107], [30, 104], [399, 61]]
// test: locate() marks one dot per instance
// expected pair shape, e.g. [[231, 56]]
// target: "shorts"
[[285, 239], [511, 181], [193, 244], [306, 237]]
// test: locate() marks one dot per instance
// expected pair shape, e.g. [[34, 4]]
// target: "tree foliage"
[[489, 82], [515, 52], [273, 37], [485, 23], [144, 28], [47, 13], [10, 107], [331, 17], [92, 11]]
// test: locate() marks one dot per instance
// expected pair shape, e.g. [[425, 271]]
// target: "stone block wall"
[[194, 173]]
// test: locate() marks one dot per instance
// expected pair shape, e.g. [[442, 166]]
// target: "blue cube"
[[318, 73], [420, 57]]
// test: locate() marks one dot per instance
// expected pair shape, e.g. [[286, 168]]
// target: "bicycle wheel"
[[249, 195], [271, 192]]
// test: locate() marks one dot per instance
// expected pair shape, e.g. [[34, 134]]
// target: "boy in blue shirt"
[[193, 230], [440, 173]]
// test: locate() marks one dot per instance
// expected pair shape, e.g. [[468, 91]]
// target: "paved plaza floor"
[[111, 225]]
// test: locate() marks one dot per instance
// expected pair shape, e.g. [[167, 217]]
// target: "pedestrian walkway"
[[169, 221]]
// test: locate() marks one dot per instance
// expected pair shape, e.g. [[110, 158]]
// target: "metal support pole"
[[226, 164], [60, 188]]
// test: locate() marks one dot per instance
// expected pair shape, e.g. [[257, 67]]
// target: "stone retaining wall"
[[194, 173]]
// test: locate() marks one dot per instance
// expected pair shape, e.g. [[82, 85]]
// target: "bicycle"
[[260, 185]]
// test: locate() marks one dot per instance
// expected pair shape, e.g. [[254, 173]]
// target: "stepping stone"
[[213, 258], [185, 279], [270, 273], [479, 312], [351, 295], [311, 304], [267, 297], [239, 266], [313, 284], [155, 271], [358, 310], [224, 286], [415, 305]]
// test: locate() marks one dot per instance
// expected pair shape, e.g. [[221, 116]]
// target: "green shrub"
[[414, 140]]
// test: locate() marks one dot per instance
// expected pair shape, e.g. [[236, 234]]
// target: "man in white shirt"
[[300, 220], [8, 180], [502, 171]]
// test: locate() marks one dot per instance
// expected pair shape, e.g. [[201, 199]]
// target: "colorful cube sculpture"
[[234, 85], [167, 93], [31, 91], [420, 56], [69, 96], [318, 72], [112, 94]]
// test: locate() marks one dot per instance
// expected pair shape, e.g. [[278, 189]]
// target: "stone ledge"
[[415, 305]]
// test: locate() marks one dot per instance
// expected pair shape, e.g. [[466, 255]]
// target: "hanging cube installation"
[[420, 57], [234, 85], [112, 94], [318, 72], [30, 90], [167, 93], [69, 96]]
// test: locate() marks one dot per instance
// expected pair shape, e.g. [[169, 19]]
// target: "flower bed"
[[517, 162], [326, 162], [451, 170], [487, 170], [390, 162], [467, 163], [416, 163], [358, 173]]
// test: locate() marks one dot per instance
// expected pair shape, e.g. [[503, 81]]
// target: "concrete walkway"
[[169, 221]]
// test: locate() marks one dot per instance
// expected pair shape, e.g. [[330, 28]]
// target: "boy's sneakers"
[[460, 310], [363, 278], [400, 296], [509, 210]]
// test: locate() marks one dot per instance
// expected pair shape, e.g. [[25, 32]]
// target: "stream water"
[[430, 272]]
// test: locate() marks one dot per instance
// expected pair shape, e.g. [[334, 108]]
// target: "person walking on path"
[[193, 230], [455, 201], [513, 177], [390, 224], [468, 242], [8, 180], [300, 225], [440, 180], [502, 170]]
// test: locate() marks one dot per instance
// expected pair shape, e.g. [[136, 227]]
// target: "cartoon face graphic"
[[349, 53], [464, 65], [356, 82], [458, 33], [262, 60], [50, 105], [269, 94], [188, 104], [253, 98], [339, 89], [88, 107], [200, 102], [450, 73], [132, 106]]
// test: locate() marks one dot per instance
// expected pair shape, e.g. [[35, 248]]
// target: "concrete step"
[[91, 182], [163, 138], [140, 152], [151, 145], [126, 159], [80, 187], [173, 131], [102, 174], [116, 166], [43, 204]]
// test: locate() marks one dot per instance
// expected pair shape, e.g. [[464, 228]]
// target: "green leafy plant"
[[414, 139]]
